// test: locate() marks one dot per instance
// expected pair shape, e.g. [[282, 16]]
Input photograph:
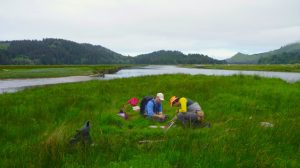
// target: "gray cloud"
[[215, 27]]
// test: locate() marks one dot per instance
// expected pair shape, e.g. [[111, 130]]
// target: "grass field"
[[277, 68], [36, 124], [41, 71]]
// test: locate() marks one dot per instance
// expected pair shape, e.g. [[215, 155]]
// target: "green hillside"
[[286, 54], [174, 57], [59, 51], [240, 58]]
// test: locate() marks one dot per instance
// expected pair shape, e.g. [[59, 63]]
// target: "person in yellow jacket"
[[189, 111]]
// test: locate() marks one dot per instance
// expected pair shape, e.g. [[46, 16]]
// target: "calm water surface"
[[13, 85]]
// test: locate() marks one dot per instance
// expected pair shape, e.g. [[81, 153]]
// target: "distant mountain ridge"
[[286, 54], [52, 51], [174, 57], [58, 51]]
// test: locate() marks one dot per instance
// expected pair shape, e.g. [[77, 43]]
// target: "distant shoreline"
[[251, 67]]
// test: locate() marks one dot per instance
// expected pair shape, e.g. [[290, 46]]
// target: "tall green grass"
[[36, 124]]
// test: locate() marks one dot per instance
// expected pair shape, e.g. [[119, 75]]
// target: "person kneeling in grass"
[[190, 111], [153, 108]]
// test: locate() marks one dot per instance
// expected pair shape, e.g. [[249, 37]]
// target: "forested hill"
[[174, 57], [288, 54], [58, 51]]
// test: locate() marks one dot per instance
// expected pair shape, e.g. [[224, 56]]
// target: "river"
[[13, 85]]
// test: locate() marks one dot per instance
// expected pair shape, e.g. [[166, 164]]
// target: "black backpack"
[[143, 104]]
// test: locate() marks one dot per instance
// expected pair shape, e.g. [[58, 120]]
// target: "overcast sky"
[[219, 28]]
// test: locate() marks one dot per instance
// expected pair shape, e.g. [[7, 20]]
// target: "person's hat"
[[172, 99], [160, 96]]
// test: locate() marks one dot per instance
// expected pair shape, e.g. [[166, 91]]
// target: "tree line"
[[58, 51], [282, 58]]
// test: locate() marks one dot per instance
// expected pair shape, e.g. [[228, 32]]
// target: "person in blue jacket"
[[153, 108]]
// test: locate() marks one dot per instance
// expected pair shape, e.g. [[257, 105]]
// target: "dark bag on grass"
[[144, 102], [82, 135]]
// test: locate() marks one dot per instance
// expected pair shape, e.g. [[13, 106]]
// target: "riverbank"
[[42, 120], [250, 67], [12, 85], [46, 71]]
